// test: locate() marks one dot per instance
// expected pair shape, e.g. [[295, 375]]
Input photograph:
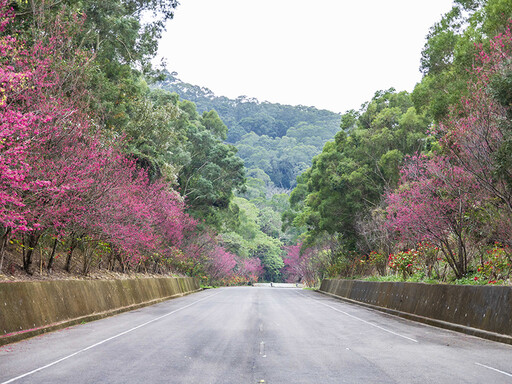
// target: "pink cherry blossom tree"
[[58, 175], [39, 130], [300, 265], [248, 270], [434, 202], [477, 135]]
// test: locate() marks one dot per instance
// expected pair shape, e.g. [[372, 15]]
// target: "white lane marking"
[[262, 349], [494, 369], [358, 318], [104, 341]]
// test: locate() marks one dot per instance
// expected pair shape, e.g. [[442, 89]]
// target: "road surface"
[[255, 335]]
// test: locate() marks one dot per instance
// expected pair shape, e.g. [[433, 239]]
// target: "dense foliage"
[[450, 50], [93, 161], [347, 180]]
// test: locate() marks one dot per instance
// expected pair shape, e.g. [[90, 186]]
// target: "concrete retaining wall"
[[484, 311], [31, 308]]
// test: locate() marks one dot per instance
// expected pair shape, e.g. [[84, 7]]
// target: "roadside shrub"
[[378, 261], [404, 263], [434, 264], [495, 264]]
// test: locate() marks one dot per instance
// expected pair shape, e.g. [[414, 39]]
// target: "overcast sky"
[[331, 54]]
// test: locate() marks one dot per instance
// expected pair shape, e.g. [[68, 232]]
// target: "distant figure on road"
[[271, 284]]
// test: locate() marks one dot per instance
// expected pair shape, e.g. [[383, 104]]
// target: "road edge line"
[[27, 334], [429, 321], [104, 341]]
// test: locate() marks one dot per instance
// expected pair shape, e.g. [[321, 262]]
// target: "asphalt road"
[[255, 335]]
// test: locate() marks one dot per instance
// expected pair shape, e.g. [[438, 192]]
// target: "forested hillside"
[[276, 142]]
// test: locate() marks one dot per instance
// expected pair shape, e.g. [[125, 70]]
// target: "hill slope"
[[276, 142]]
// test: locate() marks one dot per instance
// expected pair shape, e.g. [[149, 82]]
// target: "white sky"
[[331, 54]]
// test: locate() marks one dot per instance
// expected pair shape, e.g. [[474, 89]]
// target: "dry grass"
[[12, 270]]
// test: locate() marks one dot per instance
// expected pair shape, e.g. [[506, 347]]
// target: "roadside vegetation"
[[99, 173], [107, 168], [418, 187]]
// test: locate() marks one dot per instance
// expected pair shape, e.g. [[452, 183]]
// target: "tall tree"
[[477, 133], [210, 170], [450, 51], [350, 176]]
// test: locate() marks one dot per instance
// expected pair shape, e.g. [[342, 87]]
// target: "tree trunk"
[[40, 261], [23, 250], [70, 254], [27, 257], [121, 262], [52, 256], [3, 246], [452, 259], [111, 260], [87, 260]]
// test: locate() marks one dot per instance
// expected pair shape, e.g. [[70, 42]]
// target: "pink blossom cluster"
[[299, 265], [203, 255]]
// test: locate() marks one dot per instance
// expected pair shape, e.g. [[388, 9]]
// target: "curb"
[[430, 321], [22, 335]]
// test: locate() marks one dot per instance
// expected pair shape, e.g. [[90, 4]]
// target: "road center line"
[[358, 318], [494, 369], [105, 340]]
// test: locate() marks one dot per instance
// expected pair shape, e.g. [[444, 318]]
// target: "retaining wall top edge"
[[79, 281], [410, 283]]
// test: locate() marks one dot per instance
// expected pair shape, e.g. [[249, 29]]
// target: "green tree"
[[209, 169], [450, 49], [348, 179]]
